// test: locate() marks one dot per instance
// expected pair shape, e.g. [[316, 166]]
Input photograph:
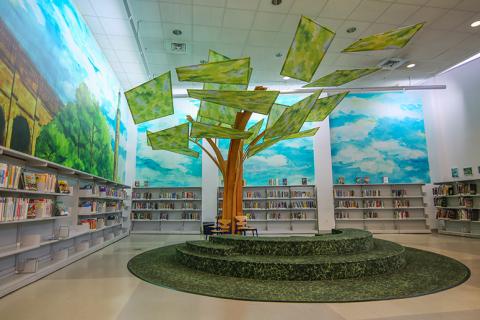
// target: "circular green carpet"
[[425, 272]]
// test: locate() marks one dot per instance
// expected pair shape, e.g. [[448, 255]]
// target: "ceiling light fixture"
[[276, 2], [475, 24], [411, 65], [351, 29], [286, 78], [177, 32]]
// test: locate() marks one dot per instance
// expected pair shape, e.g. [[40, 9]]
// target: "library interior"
[[240, 159]]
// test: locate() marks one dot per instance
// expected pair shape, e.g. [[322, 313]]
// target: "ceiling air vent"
[[391, 63], [176, 47]]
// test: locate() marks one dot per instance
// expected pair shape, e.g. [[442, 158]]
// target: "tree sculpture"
[[226, 105]]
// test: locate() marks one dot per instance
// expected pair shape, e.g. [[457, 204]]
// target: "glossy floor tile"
[[100, 287]]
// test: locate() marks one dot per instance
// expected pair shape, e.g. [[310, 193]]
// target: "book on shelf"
[[373, 204], [302, 194], [342, 215], [401, 214], [15, 209], [398, 193], [341, 193], [303, 204], [370, 215], [371, 193], [401, 203], [348, 204], [10, 175], [298, 216]]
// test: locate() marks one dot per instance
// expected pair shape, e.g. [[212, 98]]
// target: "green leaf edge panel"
[[234, 71], [186, 152], [275, 113], [393, 39], [242, 99], [324, 106], [156, 109], [307, 50], [171, 138], [255, 129], [201, 130], [340, 77], [268, 143], [293, 118]]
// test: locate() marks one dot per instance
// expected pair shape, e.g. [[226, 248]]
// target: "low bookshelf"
[[458, 207], [381, 208], [41, 228], [279, 209], [166, 210]]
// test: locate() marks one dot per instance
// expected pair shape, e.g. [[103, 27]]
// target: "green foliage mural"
[[78, 137]]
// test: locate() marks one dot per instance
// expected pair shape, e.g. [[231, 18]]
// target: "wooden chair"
[[223, 227], [242, 227]]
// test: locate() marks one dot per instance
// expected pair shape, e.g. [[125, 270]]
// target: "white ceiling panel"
[[208, 16], [256, 28]]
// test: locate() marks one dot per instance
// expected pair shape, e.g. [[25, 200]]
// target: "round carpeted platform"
[[423, 273]]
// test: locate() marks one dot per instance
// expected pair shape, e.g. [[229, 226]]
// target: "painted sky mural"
[[379, 134], [58, 46], [163, 168]]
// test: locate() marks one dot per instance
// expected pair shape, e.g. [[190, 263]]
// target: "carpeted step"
[[385, 257], [343, 241], [208, 247]]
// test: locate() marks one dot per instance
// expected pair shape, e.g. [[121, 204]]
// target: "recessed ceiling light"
[[177, 32], [475, 24], [278, 55], [276, 2], [411, 65], [286, 78], [351, 29]]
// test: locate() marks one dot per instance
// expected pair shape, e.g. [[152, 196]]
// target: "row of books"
[[191, 216], [342, 193], [371, 193], [298, 216], [164, 216], [348, 204], [10, 175], [13, 209], [373, 203], [370, 215], [102, 191], [277, 205], [462, 214], [399, 193], [161, 205], [99, 206], [342, 215], [303, 204], [252, 194], [166, 195], [454, 189], [402, 203], [440, 202], [252, 205], [278, 194], [401, 214], [45, 182]]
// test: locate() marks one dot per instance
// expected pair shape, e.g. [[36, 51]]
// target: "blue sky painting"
[[62, 48], [164, 168], [379, 134]]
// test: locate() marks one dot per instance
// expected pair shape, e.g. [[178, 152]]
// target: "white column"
[[209, 185], [323, 176]]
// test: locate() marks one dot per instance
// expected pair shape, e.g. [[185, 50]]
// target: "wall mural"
[[164, 168], [379, 134], [59, 98]]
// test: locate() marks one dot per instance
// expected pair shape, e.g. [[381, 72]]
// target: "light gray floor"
[[100, 287]]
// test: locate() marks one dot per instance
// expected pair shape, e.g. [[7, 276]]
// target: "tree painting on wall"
[[226, 106], [59, 98]]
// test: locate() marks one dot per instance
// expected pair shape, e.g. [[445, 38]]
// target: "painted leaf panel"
[[393, 39], [201, 130], [293, 118], [255, 129], [339, 77], [275, 113], [323, 107], [152, 99], [235, 71], [171, 138], [307, 50], [254, 101]]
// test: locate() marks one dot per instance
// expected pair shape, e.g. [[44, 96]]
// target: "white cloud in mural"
[[351, 131], [394, 149], [351, 153], [377, 165], [277, 160]]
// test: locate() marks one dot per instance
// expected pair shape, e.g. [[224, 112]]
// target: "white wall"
[[209, 186], [452, 122]]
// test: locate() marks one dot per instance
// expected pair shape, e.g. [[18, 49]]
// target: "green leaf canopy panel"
[[323, 107], [254, 101], [268, 143], [174, 139], [152, 99], [339, 77], [293, 118], [255, 129], [201, 130], [213, 111], [307, 50], [235, 71], [393, 39], [275, 113]]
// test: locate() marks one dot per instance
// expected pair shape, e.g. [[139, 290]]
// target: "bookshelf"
[[41, 228], [279, 209], [380, 208], [166, 210], [458, 207]]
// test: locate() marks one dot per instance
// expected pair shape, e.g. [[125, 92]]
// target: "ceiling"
[[256, 28]]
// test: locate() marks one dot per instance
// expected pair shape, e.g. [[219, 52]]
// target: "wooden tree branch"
[[222, 170], [252, 144], [217, 151]]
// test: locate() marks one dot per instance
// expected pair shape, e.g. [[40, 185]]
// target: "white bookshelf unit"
[[380, 208], [43, 241], [458, 207], [279, 209], [164, 210]]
